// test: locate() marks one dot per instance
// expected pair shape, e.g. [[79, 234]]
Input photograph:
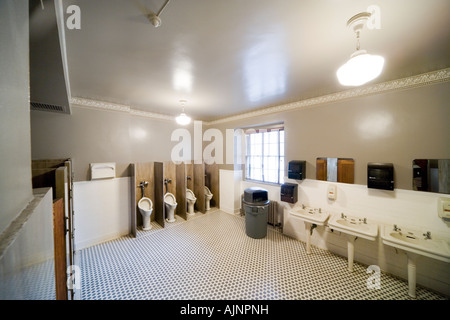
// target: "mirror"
[[431, 175], [335, 169]]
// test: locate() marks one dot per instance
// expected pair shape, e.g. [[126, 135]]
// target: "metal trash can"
[[256, 208]]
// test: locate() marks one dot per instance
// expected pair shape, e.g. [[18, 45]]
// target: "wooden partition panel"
[[181, 190], [57, 174], [133, 209], [59, 243], [199, 187], [158, 204], [212, 182]]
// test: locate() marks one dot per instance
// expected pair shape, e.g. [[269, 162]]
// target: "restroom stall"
[[58, 174]]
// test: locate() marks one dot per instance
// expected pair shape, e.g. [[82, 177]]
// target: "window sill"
[[264, 182]]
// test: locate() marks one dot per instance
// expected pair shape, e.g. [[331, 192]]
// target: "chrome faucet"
[[343, 216], [396, 228], [427, 235]]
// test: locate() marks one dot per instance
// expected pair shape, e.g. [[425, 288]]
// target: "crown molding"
[[420, 80], [107, 106]]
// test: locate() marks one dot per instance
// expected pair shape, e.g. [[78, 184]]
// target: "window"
[[264, 157]]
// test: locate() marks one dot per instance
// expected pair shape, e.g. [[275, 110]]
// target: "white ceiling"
[[227, 57]]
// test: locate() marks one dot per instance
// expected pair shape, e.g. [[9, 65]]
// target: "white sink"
[[355, 226], [416, 242], [311, 215]]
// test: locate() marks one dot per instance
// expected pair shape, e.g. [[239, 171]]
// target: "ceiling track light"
[[183, 119], [362, 67]]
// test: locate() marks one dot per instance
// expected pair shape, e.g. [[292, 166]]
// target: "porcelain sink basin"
[[312, 215], [355, 226], [416, 242]]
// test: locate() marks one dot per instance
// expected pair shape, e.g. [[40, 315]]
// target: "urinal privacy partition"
[[199, 187], [181, 186], [158, 204]]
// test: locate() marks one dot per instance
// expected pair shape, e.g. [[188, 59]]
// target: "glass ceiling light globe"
[[183, 119], [360, 69]]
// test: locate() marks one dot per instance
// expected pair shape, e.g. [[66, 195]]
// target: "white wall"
[[102, 211], [230, 181], [407, 209], [15, 145]]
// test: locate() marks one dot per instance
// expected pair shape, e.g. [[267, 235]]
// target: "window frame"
[[264, 156]]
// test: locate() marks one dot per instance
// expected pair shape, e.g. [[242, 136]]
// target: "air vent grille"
[[46, 107]]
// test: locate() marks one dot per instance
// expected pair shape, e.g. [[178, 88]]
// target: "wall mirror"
[[335, 169], [431, 175]]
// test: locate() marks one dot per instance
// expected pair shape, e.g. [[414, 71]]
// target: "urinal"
[[208, 197], [170, 203], [145, 206], [190, 198]]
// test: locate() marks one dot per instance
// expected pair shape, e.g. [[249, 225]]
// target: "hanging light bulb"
[[362, 67], [183, 119]]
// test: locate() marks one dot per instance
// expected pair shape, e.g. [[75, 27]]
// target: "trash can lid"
[[254, 194]]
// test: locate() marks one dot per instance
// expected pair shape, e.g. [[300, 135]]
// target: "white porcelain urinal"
[[208, 197], [190, 198], [171, 203], [145, 206]]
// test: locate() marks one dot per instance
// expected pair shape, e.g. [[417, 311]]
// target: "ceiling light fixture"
[[154, 17], [362, 67], [183, 119]]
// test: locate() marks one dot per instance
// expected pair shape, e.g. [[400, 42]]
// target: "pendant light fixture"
[[183, 119], [362, 67]]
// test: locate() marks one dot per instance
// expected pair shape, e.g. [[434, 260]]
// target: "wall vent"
[[47, 107]]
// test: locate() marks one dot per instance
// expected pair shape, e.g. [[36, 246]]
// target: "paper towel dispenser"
[[380, 176], [297, 169], [288, 192]]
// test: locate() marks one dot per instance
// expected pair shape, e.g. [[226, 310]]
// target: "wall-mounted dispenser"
[[103, 170], [297, 169], [380, 176], [331, 192], [288, 192], [444, 208]]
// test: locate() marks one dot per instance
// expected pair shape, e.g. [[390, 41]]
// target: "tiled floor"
[[211, 257]]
